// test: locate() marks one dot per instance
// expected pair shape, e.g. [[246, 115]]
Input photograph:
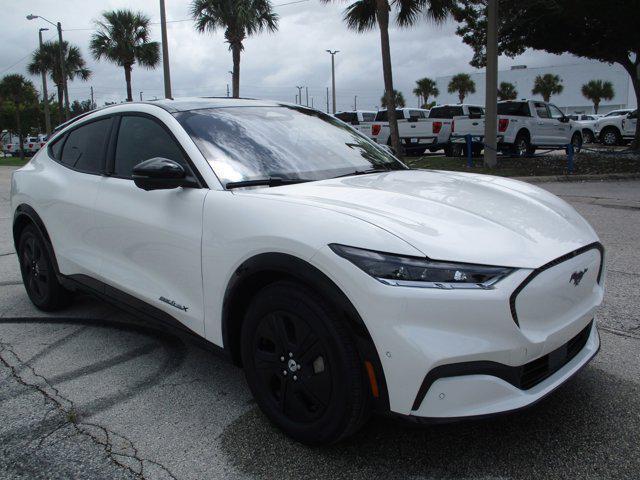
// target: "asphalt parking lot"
[[94, 393]]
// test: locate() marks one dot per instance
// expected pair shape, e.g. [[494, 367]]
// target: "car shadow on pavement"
[[586, 429]]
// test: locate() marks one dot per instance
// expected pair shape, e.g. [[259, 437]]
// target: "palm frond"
[[361, 15]]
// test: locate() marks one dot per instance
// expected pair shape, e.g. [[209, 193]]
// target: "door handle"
[[540, 123], [413, 126]]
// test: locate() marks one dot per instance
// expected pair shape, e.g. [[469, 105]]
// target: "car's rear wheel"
[[302, 365], [38, 275], [522, 146], [588, 136], [610, 136]]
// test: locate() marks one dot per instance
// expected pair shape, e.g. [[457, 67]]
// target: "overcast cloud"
[[272, 64]]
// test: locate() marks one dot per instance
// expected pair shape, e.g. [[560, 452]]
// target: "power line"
[[22, 58]]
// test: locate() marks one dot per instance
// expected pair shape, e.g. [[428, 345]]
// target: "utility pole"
[[227, 90], [45, 95], [165, 52], [312, 102], [299, 95], [141, 96], [333, 76], [491, 93], [355, 102], [327, 99], [63, 73], [307, 90], [92, 102]]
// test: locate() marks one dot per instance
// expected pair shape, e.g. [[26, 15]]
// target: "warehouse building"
[[573, 77]]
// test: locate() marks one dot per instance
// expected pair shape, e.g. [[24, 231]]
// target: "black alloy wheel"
[[302, 366], [38, 275]]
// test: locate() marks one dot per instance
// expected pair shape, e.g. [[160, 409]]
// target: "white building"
[[573, 77]]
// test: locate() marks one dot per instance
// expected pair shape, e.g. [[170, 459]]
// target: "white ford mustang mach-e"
[[343, 282]]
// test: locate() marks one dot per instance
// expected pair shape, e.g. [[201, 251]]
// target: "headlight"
[[404, 271]]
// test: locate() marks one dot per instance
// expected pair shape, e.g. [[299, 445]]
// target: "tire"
[[576, 141], [588, 136], [302, 365], [522, 146], [38, 275], [610, 137]]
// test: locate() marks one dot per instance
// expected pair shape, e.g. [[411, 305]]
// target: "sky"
[[273, 64]]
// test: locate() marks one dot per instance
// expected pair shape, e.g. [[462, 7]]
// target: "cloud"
[[272, 64]]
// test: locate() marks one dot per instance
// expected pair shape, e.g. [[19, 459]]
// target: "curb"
[[580, 178]]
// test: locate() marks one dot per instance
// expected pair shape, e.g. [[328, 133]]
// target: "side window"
[[556, 113], [139, 139], [55, 149], [541, 110], [85, 146]]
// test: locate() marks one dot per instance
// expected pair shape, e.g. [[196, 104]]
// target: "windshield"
[[287, 142]]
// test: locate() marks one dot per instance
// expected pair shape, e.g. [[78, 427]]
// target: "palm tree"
[[425, 88], [598, 90], [463, 84], [398, 99], [547, 85], [122, 37], [19, 93], [47, 58], [507, 91], [364, 15], [240, 19]]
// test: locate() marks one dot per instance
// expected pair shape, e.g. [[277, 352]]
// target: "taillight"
[[31, 145], [503, 123], [436, 126], [453, 126], [375, 129]]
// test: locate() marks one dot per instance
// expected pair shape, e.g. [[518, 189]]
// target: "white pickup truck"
[[616, 129], [524, 126], [361, 120], [422, 129], [10, 144]]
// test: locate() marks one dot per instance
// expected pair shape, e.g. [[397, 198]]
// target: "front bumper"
[[417, 331]]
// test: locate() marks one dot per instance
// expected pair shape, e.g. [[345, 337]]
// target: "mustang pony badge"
[[576, 277]]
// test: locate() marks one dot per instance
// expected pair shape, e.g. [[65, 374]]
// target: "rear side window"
[[541, 110], [515, 109], [139, 139], [85, 146], [55, 149]]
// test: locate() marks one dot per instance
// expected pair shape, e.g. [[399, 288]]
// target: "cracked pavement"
[[94, 393]]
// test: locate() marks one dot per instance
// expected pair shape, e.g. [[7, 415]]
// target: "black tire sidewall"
[[344, 365]]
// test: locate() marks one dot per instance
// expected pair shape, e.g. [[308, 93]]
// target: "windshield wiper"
[[269, 182], [365, 172]]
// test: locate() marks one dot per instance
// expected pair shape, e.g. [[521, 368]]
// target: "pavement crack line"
[[119, 449], [620, 333]]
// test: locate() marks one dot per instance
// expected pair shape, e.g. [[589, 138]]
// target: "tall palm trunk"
[[60, 100], [127, 78], [596, 106], [461, 98], [236, 48], [382, 15]]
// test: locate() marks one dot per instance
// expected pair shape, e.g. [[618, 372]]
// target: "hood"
[[454, 216]]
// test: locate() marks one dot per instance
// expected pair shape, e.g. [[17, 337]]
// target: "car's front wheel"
[[38, 275], [302, 365]]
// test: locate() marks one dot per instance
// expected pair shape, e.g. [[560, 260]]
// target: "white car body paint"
[[186, 244]]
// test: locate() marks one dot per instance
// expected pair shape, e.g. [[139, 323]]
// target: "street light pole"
[[299, 95], [333, 76], [63, 73], [491, 93], [45, 94], [165, 51]]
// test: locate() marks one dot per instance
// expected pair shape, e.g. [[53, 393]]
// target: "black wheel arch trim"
[[265, 268], [27, 213]]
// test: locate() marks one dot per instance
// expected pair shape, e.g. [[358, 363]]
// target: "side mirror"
[[565, 119], [160, 174]]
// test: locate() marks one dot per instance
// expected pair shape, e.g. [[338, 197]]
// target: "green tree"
[[365, 15], [48, 58], [239, 19], [547, 85], [554, 26], [398, 99], [16, 95], [123, 37], [425, 88], [80, 107], [507, 91], [598, 90], [462, 84]]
